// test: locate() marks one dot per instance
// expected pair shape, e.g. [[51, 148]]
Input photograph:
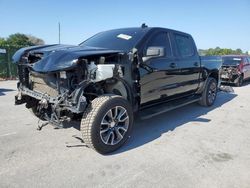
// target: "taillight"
[[240, 67]]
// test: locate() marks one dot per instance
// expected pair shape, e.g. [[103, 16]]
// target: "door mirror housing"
[[153, 51]]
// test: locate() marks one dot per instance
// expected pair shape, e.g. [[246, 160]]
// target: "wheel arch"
[[215, 75], [206, 75], [119, 87]]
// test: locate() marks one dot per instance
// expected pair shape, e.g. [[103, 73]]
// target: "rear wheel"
[[107, 123], [210, 92]]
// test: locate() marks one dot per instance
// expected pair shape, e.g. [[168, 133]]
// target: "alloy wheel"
[[114, 125], [212, 92]]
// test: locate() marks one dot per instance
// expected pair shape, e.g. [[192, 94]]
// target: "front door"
[[159, 75]]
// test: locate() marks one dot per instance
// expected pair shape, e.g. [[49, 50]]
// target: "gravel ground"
[[189, 147]]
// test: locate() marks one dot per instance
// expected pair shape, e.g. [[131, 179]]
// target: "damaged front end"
[[59, 84], [230, 74]]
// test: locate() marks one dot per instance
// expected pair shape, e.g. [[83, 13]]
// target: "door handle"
[[172, 65], [196, 64]]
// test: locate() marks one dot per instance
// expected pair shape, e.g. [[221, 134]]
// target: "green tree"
[[11, 44], [21, 40], [239, 51], [18, 39], [2, 41]]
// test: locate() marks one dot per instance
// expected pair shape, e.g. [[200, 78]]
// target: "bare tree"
[[35, 40]]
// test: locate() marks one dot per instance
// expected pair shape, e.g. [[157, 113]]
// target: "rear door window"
[[248, 60], [245, 61], [184, 45]]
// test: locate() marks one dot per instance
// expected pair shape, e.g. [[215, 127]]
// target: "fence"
[[8, 69]]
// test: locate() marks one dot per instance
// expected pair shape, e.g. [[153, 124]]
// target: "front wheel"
[[33, 110], [210, 92], [107, 123], [240, 81]]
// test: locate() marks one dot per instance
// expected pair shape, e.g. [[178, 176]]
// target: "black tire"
[[239, 81], [97, 125], [210, 92]]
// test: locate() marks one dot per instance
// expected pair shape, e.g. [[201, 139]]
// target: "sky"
[[212, 23]]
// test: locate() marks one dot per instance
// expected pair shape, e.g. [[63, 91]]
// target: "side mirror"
[[153, 51]]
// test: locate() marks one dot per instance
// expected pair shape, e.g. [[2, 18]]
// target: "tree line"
[[221, 51], [9, 46], [20, 40]]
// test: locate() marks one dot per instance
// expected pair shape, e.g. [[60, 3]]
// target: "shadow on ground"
[[3, 91], [245, 83], [146, 131]]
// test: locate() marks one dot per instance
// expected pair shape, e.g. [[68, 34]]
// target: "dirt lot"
[[188, 147]]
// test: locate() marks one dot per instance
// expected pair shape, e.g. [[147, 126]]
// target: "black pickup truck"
[[112, 77]]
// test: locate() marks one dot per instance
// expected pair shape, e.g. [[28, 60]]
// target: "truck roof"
[[146, 29]]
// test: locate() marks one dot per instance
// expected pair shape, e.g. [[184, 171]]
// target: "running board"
[[165, 107]]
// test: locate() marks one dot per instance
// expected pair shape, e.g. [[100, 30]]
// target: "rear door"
[[188, 61]]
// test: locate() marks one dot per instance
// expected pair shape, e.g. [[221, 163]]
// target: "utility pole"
[[59, 33]]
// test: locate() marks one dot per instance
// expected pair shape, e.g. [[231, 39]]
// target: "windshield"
[[119, 39], [232, 60]]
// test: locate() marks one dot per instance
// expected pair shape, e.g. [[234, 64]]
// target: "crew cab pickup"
[[112, 77]]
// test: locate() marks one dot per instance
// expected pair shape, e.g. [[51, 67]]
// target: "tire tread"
[[89, 117]]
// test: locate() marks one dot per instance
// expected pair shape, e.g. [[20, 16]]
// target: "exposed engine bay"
[[230, 73], [64, 92]]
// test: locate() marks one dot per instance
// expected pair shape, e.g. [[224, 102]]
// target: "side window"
[[245, 61], [161, 40], [248, 60], [184, 45]]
